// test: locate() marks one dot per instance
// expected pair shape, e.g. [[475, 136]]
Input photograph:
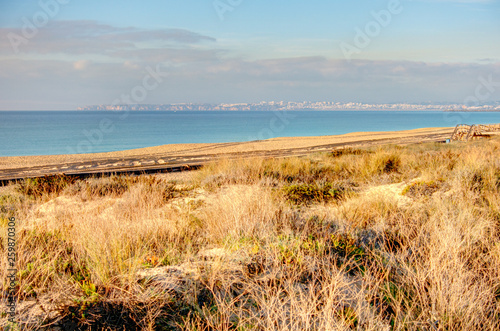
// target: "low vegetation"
[[387, 238]]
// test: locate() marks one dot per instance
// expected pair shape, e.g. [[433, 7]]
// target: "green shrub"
[[307, 193], [346, 252]]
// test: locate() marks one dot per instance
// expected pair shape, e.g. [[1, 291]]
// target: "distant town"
[[306, 105]]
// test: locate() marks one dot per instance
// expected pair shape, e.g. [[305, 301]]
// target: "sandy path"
[[199, 153]]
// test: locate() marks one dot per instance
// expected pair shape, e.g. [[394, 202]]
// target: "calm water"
[[63, 132]]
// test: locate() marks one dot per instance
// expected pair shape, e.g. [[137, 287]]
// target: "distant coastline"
[[306, 105]]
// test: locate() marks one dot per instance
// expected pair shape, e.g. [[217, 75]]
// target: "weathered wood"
[[466, 132]]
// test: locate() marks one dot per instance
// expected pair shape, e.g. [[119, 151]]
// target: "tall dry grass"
[[394, 238]]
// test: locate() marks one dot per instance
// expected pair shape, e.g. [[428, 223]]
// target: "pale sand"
[[186, 150]]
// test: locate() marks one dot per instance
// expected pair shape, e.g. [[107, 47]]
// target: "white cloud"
[[237, 80], [90, 37]]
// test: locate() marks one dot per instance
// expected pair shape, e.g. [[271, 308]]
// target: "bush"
[[348, 151], [390, 163], [306, 193], [115, 185], [420, 189], [8, 205], [118, 185], [378, 163], [347, 252], [38, 187]]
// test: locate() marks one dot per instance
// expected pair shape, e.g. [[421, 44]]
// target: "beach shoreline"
[[195, 154]]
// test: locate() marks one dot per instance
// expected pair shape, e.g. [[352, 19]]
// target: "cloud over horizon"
[[77, 63]]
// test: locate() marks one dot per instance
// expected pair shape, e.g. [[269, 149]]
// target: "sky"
[[64, 54]]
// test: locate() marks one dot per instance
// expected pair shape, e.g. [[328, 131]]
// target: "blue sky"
[[93, 52]]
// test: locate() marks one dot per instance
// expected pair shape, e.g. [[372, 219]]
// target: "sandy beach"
[[195, 154]]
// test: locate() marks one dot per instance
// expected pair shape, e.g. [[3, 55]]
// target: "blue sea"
[[64, 132]]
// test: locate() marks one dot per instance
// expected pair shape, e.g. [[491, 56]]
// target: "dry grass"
[[394, 238]]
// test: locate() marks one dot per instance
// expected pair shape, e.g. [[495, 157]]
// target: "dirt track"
[[170, 157]]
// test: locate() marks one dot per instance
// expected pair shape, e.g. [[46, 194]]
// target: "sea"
[[75, 132]]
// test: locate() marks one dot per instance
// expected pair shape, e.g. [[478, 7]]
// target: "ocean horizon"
[[26, 133]]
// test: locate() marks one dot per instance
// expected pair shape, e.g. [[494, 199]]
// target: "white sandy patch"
[[390, 191], [58, 204]]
